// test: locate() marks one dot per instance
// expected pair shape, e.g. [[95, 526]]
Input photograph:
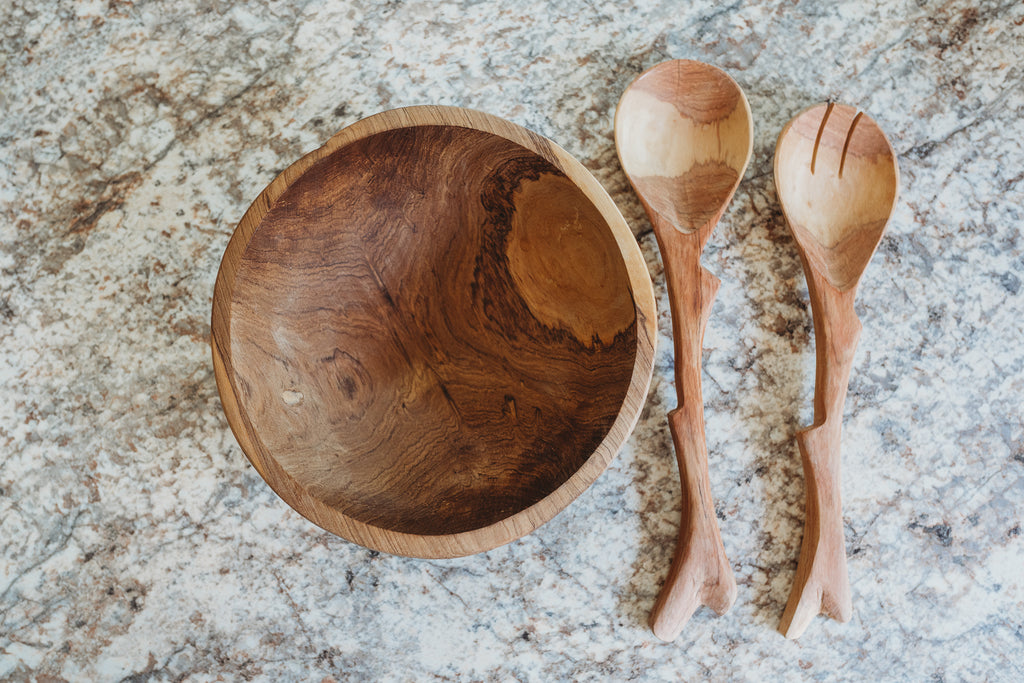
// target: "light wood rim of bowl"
[[524, 521]]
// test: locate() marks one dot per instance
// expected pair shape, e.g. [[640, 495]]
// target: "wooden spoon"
[[837, 179], [683, 132]]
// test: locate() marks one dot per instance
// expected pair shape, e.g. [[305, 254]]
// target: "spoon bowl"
[[684, 134]]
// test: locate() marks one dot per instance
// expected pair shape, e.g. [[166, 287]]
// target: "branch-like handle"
[[822, 584], [700, 572]]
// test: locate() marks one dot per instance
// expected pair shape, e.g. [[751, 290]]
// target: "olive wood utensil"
[[837, 180], [683, 132]]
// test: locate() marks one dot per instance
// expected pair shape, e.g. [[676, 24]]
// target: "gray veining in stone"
[[137, 543]]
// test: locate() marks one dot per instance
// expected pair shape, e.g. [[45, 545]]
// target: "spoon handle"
[[822, 584], [700, 572]]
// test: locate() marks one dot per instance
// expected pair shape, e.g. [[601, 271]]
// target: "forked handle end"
[[700, 572], [822, 583]]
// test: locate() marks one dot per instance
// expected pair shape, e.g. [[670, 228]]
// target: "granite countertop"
[[137, 543]]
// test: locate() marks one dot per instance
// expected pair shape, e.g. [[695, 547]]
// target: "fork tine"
[[821, 129], [846, 146]]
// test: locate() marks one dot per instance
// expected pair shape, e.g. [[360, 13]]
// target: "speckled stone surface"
[[137, 543]]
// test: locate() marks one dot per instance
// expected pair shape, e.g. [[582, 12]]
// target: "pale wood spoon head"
[[684, 135], [837, 180]]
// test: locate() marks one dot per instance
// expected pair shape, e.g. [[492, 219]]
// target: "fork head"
[[837, 179]]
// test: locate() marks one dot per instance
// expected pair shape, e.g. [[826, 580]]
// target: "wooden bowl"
[[433, 333]]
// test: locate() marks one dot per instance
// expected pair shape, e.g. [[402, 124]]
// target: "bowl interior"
[[432, 329]]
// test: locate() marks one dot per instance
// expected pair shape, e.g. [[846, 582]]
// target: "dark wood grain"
[[434, 329]]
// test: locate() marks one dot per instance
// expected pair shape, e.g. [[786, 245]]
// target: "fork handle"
[[700, 572], [822, 583]]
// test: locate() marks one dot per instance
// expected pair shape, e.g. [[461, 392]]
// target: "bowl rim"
[[524, 521]]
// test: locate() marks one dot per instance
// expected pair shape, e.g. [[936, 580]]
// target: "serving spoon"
[[683, 133], [837, 180]]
